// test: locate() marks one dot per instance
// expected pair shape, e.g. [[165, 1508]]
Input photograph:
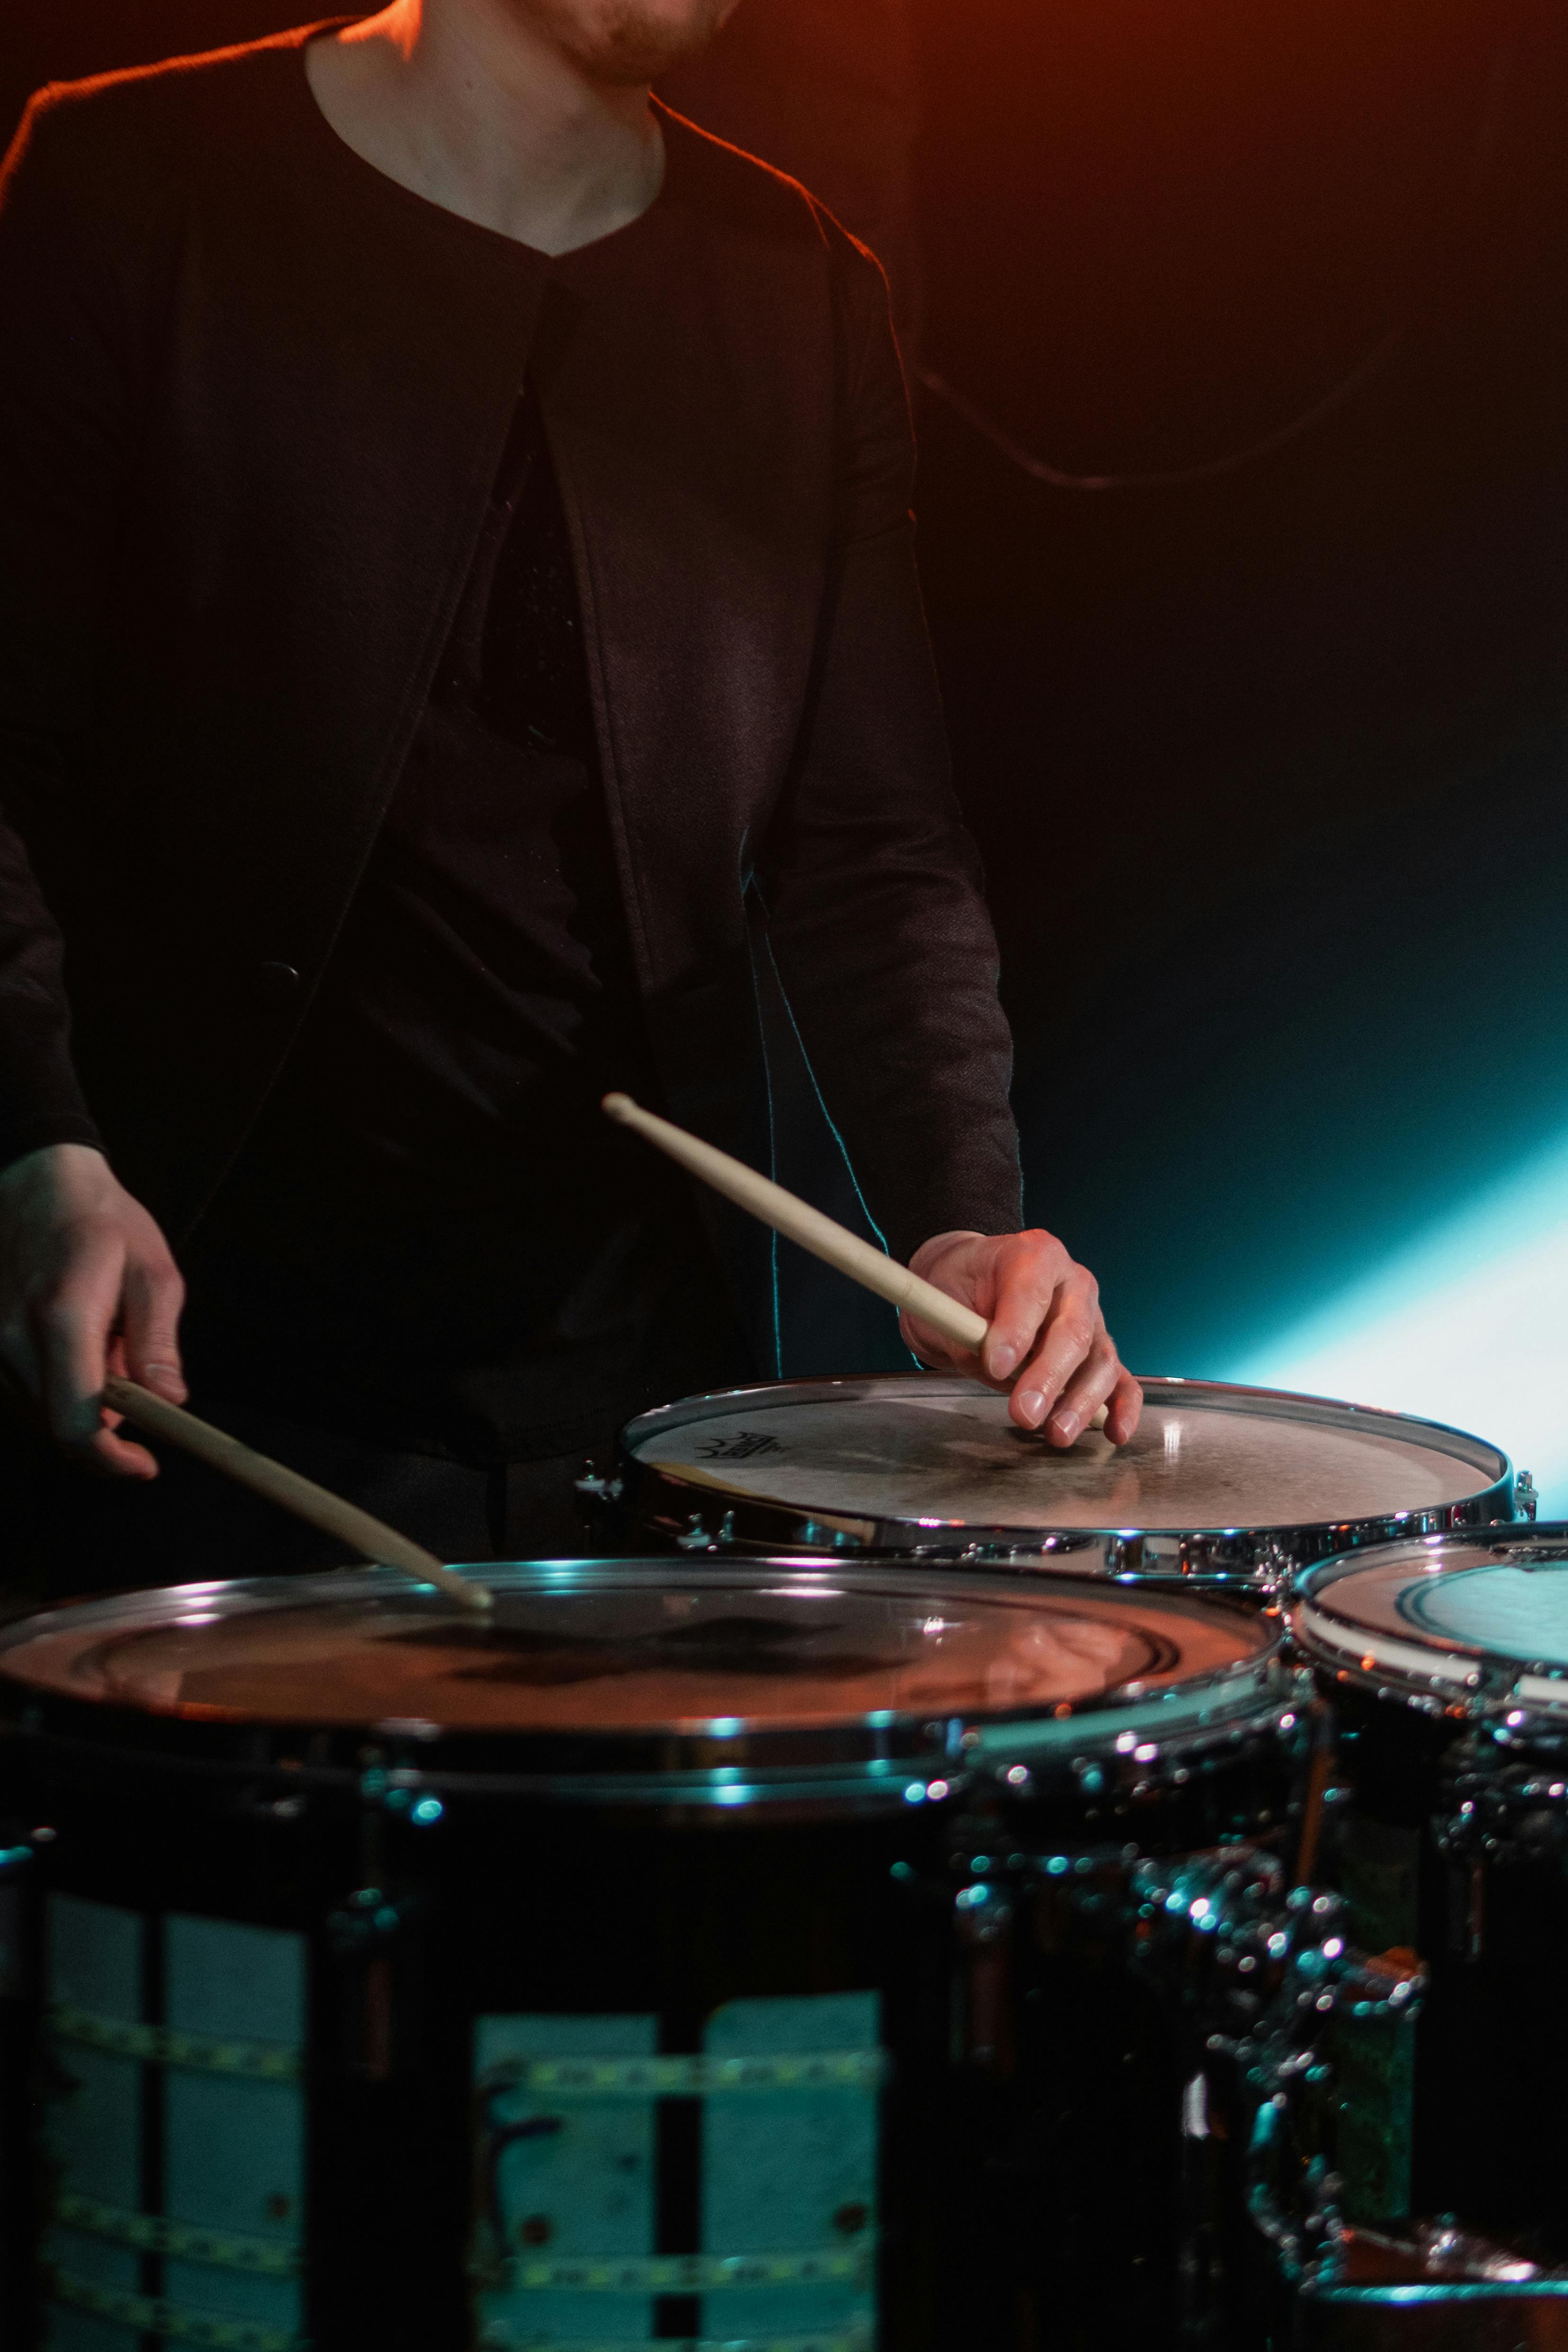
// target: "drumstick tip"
[[616, 1106], [464, 1594]]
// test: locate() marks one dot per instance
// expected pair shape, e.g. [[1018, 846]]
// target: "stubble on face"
[[626, 42]]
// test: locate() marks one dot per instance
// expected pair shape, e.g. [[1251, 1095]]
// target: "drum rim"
[[876, 1756], [1264, 1555], [1478, 1681]]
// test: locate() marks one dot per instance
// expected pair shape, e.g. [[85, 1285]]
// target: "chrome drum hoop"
[[1519, 1700], [647, 1499], [724, 1770]]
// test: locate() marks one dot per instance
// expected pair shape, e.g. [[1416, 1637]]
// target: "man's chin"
[[626, 45]]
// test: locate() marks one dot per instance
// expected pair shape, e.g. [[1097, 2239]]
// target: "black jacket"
[[253, 396]]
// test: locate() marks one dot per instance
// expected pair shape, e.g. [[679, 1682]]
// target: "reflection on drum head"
[[659, 1651], [952, 1455], [1513, 1612]]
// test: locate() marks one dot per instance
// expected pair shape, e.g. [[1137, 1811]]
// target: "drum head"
[[621, 1649], [898, 1461], [1474, 1620]]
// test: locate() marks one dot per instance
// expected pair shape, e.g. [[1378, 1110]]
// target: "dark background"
[[1268, 766], [1267, 754]]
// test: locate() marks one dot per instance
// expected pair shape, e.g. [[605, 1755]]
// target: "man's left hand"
[[1048, 1341]]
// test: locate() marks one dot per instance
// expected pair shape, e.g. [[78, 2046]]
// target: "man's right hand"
[[87, 1285]]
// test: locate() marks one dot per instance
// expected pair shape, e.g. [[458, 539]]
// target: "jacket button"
[[275, 981]]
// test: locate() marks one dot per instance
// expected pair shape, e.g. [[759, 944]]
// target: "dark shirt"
[[436, 1233], [253, 396]]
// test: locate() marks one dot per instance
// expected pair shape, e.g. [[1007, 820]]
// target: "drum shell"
[[1016, 2157], [1490, 2040], [1441, 1664]]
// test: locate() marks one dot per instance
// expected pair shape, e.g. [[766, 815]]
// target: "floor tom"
[[677, 1952]]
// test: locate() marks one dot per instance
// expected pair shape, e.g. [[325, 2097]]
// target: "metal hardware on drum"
[[1431, 2287], [1269, 1969], [1250, 1975], [768, 1951], [1221, 1485]]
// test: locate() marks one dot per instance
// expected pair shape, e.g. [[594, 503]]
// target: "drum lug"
[[14, 1859], [367, 1922], [1525, 1497], [1467, 1910], [369, 1939], [983, 1917], [15, 1940], [597, 1491], [1273, 1568], [697, 1539]]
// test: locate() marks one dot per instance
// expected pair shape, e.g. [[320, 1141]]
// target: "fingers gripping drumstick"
[[833, 1243], [316, 1504]]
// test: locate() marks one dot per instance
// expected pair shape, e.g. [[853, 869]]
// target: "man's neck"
[[468, 106]]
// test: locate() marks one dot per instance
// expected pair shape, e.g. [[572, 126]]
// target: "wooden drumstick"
[[316, 1504], [796, 1219]]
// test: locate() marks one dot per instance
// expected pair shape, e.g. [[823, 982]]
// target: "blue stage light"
[[1466, 1323]]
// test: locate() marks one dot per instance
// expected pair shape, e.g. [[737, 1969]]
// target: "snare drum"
[[627, 1965], [1231, 1486], [1447, 1664]]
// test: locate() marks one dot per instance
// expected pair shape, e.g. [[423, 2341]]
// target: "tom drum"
[[1446, 1664], [1239, 1487], [691, 1949]]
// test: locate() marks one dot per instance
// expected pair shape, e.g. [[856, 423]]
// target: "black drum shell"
[[1028, 2174], [501, 1905], [1030, 2136], [1448, 1828], [1491, 2039]]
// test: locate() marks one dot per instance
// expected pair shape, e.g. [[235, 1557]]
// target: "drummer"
[[458, 623]]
